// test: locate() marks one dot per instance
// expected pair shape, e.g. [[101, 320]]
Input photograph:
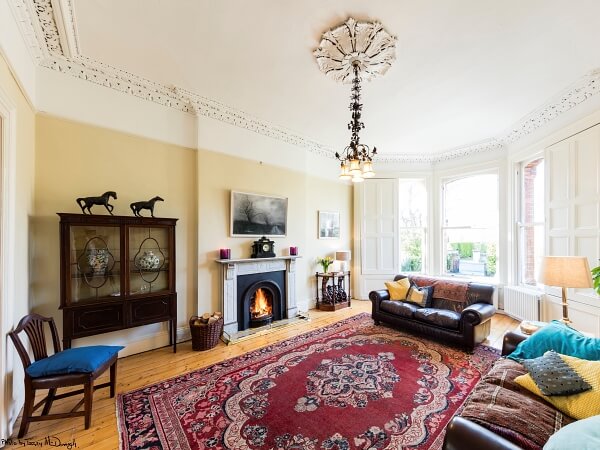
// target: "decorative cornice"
[[575, 94], [38, 26]]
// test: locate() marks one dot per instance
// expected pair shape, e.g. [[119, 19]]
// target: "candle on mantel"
[[225, 253], [293, 251]]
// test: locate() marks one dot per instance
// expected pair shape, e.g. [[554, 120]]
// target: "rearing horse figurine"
[[136, 207], [87, 202]]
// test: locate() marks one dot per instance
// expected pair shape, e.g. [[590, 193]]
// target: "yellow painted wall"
[[22, 182], [218, 174], [77, 160]]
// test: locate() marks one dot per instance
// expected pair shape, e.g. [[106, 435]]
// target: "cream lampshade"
[[566, 272], [343, 256]]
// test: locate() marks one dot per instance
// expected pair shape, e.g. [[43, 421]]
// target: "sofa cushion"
[[402, 309], [582, 435], [440, 317], [420, 296], [562, 339], [398, 289], [499, 404], [578, 406], [553, 376]]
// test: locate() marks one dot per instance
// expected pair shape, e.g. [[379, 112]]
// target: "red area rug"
[[351, 385]]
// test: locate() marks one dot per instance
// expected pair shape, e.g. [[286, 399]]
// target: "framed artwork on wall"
[[329, 225], [258, 215]]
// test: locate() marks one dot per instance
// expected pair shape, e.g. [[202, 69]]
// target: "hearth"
[[261, 299], [242, 278]]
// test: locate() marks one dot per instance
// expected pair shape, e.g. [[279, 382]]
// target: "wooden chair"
[[33, 325]]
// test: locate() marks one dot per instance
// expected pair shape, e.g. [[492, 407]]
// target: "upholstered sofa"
[[460, 312], [500, 414]]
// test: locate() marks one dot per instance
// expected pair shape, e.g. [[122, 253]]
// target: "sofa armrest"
[[462, 434], [510, 342], [378, 296], [477, 313]]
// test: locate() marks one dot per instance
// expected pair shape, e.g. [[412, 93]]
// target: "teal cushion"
[[581, 435], [73, 360], [562, 339]]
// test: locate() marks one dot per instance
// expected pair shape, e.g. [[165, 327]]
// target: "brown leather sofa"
[[460, 312], [501, 415]]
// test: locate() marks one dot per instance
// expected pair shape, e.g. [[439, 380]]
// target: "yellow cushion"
[[579, 406], [398, 289]]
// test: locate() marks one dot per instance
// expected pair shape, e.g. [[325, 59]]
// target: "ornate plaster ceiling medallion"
[[367, 44]]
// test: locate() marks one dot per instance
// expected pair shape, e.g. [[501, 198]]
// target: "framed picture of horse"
[[258, 215]]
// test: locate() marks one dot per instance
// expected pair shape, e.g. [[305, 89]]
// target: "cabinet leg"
[[173, 337]]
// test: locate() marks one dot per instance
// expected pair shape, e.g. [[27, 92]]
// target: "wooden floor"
[[156, 365]]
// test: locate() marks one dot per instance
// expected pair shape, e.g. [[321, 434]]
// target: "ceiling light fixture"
[[350, 53]]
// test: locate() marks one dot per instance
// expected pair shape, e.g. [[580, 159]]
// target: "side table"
[[333, 290]]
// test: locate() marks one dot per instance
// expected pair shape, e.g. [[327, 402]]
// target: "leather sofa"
[[501, 415], [460, 312]]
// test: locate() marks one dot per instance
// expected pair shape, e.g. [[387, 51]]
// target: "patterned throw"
[[351, 385]]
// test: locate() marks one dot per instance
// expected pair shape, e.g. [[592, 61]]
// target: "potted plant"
[[596, 278]]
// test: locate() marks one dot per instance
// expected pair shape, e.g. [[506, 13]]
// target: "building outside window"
[[470, 225], [412, 224], [530, 222]]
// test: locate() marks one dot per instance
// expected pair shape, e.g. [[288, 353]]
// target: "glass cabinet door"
[[148, 260], [94, 262]]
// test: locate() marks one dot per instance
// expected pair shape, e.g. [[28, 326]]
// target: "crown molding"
[[38, 25]]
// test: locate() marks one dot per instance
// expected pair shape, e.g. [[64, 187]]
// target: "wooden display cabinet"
[[116, 272]]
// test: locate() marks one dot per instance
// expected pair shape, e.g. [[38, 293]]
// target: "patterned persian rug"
[[351, 385]]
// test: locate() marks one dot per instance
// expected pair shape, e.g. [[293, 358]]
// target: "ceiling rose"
[[367, 43]]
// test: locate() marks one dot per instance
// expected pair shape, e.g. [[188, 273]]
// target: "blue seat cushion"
[[562, 339], [73, 360]]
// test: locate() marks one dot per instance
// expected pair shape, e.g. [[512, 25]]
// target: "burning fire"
[[260, 306]]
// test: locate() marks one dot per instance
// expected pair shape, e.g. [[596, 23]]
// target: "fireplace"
[[242, 278], [261, 299]]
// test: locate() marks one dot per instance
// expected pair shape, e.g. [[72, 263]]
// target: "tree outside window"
[[412, 224]]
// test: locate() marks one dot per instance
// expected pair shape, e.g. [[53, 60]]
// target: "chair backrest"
[[33, 326]]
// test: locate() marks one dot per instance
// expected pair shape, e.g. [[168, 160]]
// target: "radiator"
[[522, 303]]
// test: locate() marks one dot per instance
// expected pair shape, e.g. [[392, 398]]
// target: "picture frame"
[[329, 225], [258, 215]]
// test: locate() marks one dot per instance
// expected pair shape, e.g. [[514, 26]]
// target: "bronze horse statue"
[[136, 207], [87, 202]]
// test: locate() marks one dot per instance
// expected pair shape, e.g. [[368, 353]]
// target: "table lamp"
[[566, 272], [343, 256]]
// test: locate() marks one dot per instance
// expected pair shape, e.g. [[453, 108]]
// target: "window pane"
[[413, 203], [533, 192], [412, 243], [472, 201], [471, 251], [532, 250]]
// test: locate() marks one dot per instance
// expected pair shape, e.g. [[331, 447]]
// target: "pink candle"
[[293, 251], [225, 253]]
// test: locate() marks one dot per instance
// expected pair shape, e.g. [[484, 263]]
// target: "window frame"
[[425, 249]]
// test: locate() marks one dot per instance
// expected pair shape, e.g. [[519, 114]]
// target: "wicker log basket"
[[206, 330]]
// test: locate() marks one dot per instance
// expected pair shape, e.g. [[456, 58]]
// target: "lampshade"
[[355, 167], [344, 173], [368, 170], [343, 255], [565, 271]]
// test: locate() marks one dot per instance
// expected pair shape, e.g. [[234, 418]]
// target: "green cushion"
[[562, 339], [553, 376], [581, 435]]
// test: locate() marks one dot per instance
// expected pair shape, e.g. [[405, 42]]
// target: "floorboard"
[[150, 367]]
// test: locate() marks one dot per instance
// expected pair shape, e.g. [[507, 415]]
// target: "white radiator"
[[522, 303]]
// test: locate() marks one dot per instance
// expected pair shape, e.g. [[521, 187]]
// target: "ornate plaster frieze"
[[458, 152], [575, 94], [367, 43], [39, 29]]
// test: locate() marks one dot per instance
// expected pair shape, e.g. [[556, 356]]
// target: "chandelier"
[[352, 52], [356, 161]]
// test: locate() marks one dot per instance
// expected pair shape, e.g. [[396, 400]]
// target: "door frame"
[[8, 151]]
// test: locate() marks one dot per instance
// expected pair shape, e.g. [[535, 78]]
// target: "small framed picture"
[[329, 225]]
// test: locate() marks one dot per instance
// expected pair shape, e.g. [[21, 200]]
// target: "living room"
[[127, 97]]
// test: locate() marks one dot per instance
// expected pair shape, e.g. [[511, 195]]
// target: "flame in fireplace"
[[260, 306]]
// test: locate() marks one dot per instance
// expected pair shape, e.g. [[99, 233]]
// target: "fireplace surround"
[[241, 278]]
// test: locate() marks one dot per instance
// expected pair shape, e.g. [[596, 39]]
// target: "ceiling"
[[466, 71]]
